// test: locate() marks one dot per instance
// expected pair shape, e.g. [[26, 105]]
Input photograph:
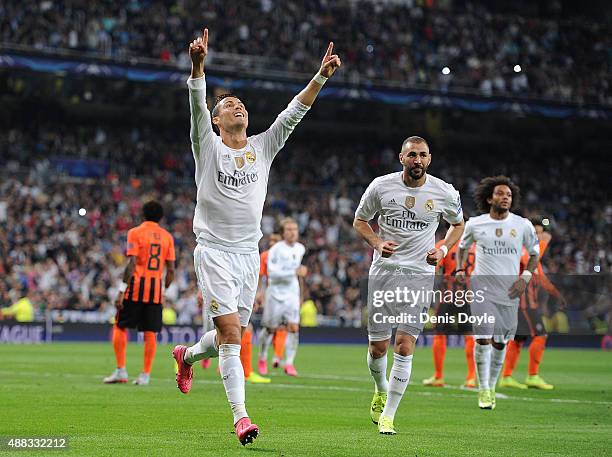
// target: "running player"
[[232, 177], [150, 248], [277, 339], [410, 204], [282, 302], [530, 321], [499, 236], [448, 266]]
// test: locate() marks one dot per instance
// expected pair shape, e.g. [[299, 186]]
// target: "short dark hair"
[[152, 211], [485, 188], [219, 99], [536, 220], [414, 139]]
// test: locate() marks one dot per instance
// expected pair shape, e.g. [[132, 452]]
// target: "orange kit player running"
[[530, 322], [448, 266], [139, 303]]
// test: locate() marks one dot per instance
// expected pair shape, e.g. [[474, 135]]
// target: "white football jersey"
[[232, 183], [499, 244], [409, 216], [283, 261]]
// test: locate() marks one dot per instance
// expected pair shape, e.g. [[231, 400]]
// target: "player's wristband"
[[444, 249], [122, 287], [320, 79], [526, 276]]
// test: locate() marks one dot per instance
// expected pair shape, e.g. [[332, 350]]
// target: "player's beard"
[[499, 209], [420, 172]]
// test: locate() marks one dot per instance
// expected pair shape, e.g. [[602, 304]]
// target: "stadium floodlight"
[[82, 212], [517, 69], [446, 71]]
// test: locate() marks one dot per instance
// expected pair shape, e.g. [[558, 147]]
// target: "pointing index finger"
[[330, 48], [205, 36]]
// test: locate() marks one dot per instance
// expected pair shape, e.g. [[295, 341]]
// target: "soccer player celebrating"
[[282, 303], [232, 177], [410, 204], [499, 236], [139, 303], [530, 321]]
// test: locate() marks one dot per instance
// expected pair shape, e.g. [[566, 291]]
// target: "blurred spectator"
[[400, 42]]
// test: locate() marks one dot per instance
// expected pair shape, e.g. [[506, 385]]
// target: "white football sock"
[[291, 346], [266, 341], [232, 375], [206, 348], [378, 371], [482, 357], [497, 362], [398, 381]]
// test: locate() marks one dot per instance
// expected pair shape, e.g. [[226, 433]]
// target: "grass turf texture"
[[57, 390]]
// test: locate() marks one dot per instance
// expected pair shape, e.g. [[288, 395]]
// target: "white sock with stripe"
[[398, 381], [265, 342], [482, 357], [206, 348], [291, 346], [232, 375], [378, 371], [497, 362]]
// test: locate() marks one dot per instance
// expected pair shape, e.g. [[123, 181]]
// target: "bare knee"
[[498, 346], [293, 328], [378, 349], [483, 341], [404, 344]]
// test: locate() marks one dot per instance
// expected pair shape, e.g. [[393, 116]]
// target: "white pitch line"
[[339, 388]]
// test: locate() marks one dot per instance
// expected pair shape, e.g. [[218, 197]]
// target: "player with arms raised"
[[232, 177], [500, 236], [410, 204]]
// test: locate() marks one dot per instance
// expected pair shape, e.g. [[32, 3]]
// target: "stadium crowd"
[[408, 43], [64, 260]]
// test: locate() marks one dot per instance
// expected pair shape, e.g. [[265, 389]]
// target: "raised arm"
[[330, 63], [201, 132], [274, 138]]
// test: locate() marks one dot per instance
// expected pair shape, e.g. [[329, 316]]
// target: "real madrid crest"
[[214, 306], [239, 161], [513, 233], [250, 157], [409, 201], [499, 232], [429, 205]]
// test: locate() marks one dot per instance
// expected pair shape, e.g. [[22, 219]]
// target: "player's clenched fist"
[[198, 48], [386, 248]]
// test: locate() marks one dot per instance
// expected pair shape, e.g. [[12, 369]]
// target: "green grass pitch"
[[57, 390]]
